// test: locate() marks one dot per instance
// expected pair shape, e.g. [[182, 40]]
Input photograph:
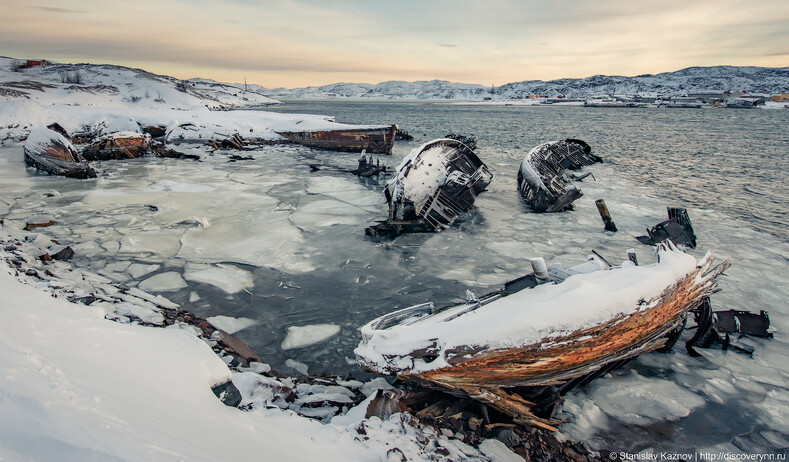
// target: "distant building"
[[34, 63], [710, 96], [780, 97]]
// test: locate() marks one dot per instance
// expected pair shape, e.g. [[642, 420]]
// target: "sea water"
[[273, 243]]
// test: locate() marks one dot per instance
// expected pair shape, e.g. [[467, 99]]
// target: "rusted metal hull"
[[374, 140], [435, 184], [542, 178]]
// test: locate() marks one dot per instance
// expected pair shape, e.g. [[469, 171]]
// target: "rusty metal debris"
[[677, 228], [543, 180], [434, 184], [719, 328], [495, 375], [368, 167], [49, 151], [379, 140]]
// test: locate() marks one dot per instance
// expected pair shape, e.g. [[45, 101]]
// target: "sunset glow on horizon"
[[296, 43]]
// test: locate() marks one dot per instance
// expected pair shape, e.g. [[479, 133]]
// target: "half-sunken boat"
[[49, 151], [377, 139], [543, 180], [434, 184], [579, 321]]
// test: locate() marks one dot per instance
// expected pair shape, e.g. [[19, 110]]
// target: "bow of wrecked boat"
[[579, 321]]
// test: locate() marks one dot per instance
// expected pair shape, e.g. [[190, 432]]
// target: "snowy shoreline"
[[84, 386]]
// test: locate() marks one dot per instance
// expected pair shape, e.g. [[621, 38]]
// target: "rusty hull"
[[374, 140], [118, 147]]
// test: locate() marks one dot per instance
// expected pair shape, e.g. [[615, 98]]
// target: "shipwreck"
[[119, 145], [48, 150], [434, 184], [543, 178], [375, 139], [553, 328]]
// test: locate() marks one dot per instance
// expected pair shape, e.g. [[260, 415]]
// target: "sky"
[[297, 43]]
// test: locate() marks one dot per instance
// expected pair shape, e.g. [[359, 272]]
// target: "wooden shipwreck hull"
[[433, 185], [484, 370], [120, 145], [378, 140], [49, 151], [543, 180]]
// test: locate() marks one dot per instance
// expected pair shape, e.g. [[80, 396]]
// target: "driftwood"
[[543, 180]]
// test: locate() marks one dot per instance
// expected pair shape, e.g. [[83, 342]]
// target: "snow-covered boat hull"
[[47, 150], [541, 336], [542, 178], [434, 184]]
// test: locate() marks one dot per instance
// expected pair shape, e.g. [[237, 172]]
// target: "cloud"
[[292, 42], [54, 9]]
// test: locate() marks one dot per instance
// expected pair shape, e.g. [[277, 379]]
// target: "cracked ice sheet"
[[336, 201], [229, 278], [302, 336]]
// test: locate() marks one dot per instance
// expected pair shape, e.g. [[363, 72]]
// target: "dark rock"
[[384, 404], [508, 437], [87, 300], [63, 254], [227, 393], [32, 272], [235, 345], [395, 455]]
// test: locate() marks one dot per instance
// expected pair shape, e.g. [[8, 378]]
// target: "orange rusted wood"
[[374, 140], [577, 353]]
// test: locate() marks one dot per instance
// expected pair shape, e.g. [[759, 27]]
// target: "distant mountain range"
[[690, 80], [103, 84]]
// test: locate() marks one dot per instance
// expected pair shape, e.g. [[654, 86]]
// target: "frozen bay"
[[300, 236]]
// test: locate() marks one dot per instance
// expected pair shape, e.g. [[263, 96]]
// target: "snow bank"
[[77, 387]]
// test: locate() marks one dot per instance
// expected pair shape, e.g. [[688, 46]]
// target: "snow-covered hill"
[[111, 86], [433, 89], [692, 79]]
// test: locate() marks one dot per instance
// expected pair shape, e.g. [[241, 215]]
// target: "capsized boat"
[[376, 139], [543, 180], [48, 150], [433, 184], [577, 322]]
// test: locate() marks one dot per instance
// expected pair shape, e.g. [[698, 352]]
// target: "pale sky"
[[295, 43]]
